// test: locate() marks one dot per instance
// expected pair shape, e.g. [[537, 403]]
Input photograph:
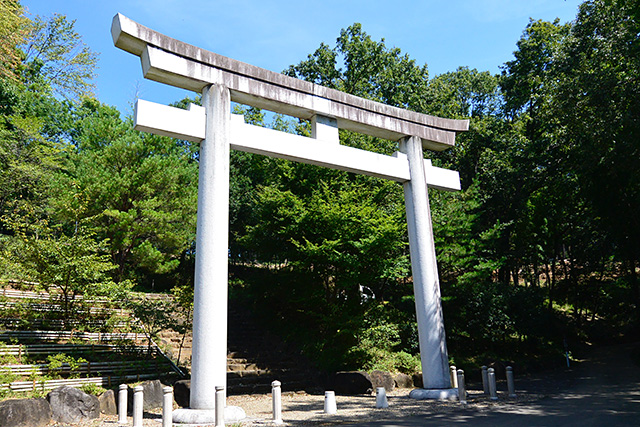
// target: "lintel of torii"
[[325, 150], [222, 80], [179, 64]]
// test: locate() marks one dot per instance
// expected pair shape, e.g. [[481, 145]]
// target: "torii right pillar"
[[426, 286]]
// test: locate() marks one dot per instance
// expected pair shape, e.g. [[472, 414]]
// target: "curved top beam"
[[173, 62]]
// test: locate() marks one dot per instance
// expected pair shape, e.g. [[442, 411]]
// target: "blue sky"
[[273, 34]]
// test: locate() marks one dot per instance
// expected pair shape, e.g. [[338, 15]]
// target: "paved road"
[[603, 391]]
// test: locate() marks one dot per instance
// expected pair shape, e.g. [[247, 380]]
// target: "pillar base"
[[203, 417], [434, 393]]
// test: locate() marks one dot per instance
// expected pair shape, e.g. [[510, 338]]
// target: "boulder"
[[70, 405], [182, 392], [403, 381], [350, 383], [25, 413], [108, 403], [152, 395], [417, 380], [382, 379]]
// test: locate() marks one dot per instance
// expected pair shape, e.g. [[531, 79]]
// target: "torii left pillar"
[[209, 357]]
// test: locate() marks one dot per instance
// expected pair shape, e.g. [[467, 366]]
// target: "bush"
[[93, 389]]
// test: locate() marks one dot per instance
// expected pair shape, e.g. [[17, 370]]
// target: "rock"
[[403, 381], [153, 394], [70, 405], [25, 413], [108, 403], [382, 379], [182, 392], [350, 383], [417, 380]]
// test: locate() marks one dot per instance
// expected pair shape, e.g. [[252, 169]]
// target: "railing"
[[21, 350], [106, 381], [86, 368], [68, 335], [57, 323]]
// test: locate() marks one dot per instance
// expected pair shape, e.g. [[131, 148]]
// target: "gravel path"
[[604, 390], [302, 409]]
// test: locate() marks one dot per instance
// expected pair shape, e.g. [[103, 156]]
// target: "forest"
[[539, 251]]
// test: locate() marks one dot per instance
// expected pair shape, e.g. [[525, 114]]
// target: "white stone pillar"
[[485, 380], [138, 401], [220, 404], [493, 391], [122, 403], [330, 406], [381, 398], [276, 402], [462, 388], [426, 286], [511, 388], [167, 406], [209, 356]]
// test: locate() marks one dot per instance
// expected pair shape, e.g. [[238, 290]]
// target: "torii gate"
[[222, 80]]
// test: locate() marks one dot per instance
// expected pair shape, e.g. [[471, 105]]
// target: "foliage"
[[153, 315], [183, 314], [56, 54], [138, 190], [13, 29], [58, 361], [92, 388], [541, 244]]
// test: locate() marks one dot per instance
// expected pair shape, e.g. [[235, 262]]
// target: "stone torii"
[[222, 80]]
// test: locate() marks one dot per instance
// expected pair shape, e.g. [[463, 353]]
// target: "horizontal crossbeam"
[[182, 65], [190, 125]]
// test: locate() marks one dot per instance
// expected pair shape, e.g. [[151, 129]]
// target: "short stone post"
[[138, 400], [454, 376], [511, 388], [276, 396], [381, 398], [330, 406], [219, 406], [462, 388], [122, 404], [492, 384], [167, 407], [485, 380]]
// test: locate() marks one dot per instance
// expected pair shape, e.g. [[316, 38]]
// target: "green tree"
[[13, 29], [55, 53], [141, 190], [598, 106]]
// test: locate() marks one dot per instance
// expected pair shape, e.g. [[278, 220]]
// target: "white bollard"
[[220, 406], [462, 389], [454, 377], [381, 398], [492, 384], [485, 380], [330, 406], [511, 388], [276, 395], [167, 407], [138, 400], [122, 404]]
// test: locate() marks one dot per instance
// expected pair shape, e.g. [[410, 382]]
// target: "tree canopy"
[[541, 245]]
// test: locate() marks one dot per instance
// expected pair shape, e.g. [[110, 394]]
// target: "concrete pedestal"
[[438, 394], [202, 417]]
